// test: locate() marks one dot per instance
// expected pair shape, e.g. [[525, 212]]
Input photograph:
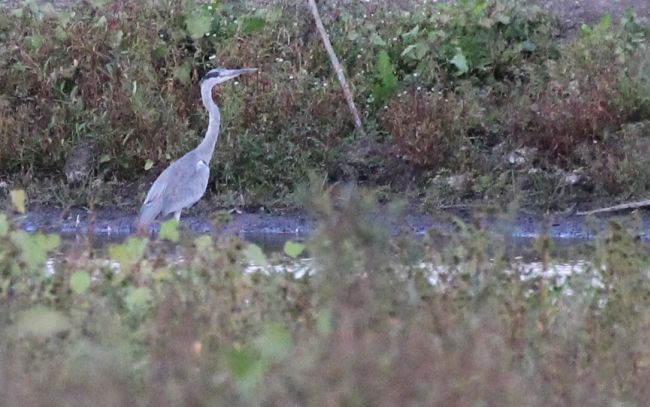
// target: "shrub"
[[634, 85], [576, 112], [430, 129], [583, 98]]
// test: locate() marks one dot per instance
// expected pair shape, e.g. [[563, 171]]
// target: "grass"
[[451, 90], [367, 328]]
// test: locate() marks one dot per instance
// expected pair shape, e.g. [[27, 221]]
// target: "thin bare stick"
[[337, 66], [624, 206]]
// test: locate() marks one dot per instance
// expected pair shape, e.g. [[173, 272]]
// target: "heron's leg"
[[177, 215]]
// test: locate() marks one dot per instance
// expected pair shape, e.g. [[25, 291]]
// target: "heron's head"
[[221, 75]]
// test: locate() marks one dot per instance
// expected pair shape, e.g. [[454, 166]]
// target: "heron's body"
[[184, 182], [172, 191]]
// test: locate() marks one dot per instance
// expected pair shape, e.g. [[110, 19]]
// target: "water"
[[569, 234], [269, 229]]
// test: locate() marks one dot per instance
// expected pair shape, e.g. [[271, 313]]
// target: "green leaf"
[[60, 34], [18, 199], [528, 46], [416, 51], [182, 73], [5, 22], [375, 39], [244, 364], [408, 51], [324, 322], [79, 282], [253, 24], [128, 253], [18, 12], [203, 243], [34, 248], [605, 23], [386, 76], [460, 62], [41, 322], [49, 10], [353, 36], [421, 50], [412, 33], [385, 67], [163, 275], [480, 7], [293, 249], [255, 255], [503, 19], [273, 343], [138, 298], [169, 230], [65, 17], [198, 24], [101, 22], [160, 52], [4, 225], [18, 66], [148, 164], [36, 41]]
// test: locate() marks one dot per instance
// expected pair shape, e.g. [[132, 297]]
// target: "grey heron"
[[184, 182]]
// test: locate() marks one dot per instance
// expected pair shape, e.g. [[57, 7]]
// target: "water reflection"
[[521, 249], [524, 267]]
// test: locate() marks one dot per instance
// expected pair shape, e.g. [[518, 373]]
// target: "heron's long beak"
[[233, 73], [226, 74], [246, 70]]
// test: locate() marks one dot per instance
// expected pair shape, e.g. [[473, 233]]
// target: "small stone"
[[574, 177], [521, 156], [78, 165], [458, 182]]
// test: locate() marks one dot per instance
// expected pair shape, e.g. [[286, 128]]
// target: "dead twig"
[[620, 207], [336, 64]]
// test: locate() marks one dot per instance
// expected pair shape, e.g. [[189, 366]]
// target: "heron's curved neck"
[[206, 148]]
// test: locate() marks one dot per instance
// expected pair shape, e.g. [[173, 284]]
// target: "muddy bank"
[[576, 12]]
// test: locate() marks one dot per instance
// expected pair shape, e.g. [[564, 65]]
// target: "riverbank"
[[463, 105]]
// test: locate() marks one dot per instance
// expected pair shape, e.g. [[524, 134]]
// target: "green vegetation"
[[447, 92], [366, 327]]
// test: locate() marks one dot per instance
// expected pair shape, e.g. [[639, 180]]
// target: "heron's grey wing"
[[188, 180], [153, 203]]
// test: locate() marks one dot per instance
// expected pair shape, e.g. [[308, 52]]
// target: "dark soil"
[[573, 13]]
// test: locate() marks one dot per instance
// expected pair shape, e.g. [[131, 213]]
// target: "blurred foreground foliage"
[[369, 319]]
